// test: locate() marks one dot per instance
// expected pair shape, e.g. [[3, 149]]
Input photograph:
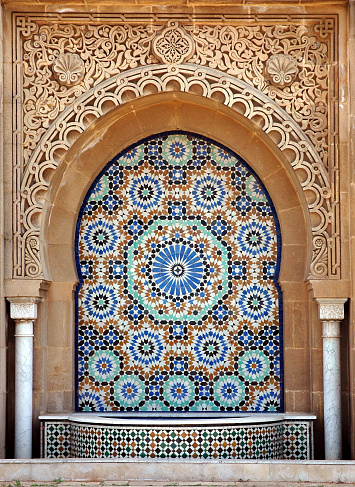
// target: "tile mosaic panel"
[[56, 440], [178, 306], [290, 440], [250, 442], [296, 439]]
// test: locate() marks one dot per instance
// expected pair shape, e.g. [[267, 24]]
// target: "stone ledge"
[[176, 471]]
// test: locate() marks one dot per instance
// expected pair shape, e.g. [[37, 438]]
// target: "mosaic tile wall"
[[55, 439], [253, 442], [297, 439], [178, 309], [290, 440]]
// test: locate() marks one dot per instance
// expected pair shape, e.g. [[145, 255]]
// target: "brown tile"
[[71, 192], [59, 369], [302, 402], [293, 227], [157, 118], [262, 158], [55, 328], [288, 332], [300, 320], [38, 369], [55, 402], [283, 191], [61, 227]]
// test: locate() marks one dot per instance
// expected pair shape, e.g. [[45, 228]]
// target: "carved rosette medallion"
[[69, 69], [173, 45], [281, 69]]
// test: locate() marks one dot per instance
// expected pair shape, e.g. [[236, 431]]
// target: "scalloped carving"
[[274, 121], [238, 46], [69, 69], [281, 69]]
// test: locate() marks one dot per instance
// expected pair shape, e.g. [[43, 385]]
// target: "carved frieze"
[[241, 51], [98, 51]]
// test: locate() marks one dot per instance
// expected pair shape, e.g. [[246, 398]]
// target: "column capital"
[[331, 309], [23, 308]]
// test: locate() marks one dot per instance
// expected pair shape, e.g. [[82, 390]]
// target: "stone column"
[[331, 312], [24, 312]]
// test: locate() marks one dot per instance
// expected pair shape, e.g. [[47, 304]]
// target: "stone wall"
[[2, 290]]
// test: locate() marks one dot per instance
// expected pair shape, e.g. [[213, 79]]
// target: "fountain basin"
[[198, 436]]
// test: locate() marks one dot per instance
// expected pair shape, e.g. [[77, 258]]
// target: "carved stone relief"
[[22, 309], [331, 309], [173, 45], [68, 69], [267, 64], [281, 69]]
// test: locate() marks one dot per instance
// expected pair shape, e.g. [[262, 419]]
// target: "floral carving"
[[107, 50], [241, 51], [245, 99], [173, 45], [69, 69], [331, 309], [281, 69]]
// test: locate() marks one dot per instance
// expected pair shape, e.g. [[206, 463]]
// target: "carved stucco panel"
[[242, 51], [23, 310], [68, 69], [237, 94], [109, 50]]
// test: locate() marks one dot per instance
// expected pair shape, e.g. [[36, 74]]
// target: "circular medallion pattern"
[[100, 237], [99, 302], [208, 192], [211, 348], [177, 270], [145, 192], [129, 391], [146, 348], [179, 391]]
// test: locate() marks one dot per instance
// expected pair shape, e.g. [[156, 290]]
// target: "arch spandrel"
[[131, 122]]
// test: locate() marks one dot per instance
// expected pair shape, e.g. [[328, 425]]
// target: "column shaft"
[[23, 388], [332, 390], [331, 312]]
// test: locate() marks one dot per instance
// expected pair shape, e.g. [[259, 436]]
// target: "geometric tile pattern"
[[178, 307], [217, 443], [296, 440], [56, 440], [289, 440]]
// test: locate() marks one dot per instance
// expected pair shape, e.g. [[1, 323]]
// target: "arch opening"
[[178, 253]]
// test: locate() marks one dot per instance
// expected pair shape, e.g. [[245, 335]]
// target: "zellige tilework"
[[56, 437], [290, 440], [178, 307]]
